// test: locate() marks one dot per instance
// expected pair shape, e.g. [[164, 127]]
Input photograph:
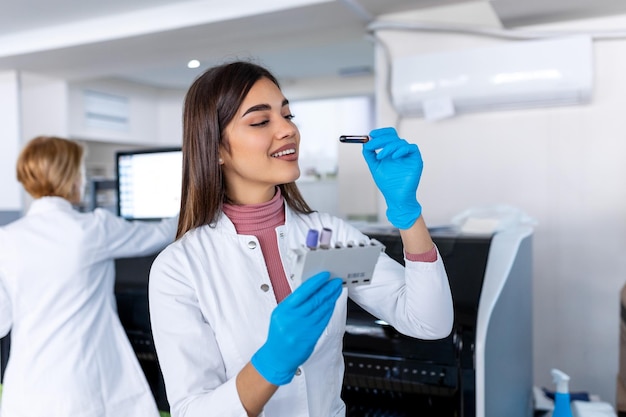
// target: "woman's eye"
[[265, 122]]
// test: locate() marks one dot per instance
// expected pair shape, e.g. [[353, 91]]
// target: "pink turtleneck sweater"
[[261, 221]]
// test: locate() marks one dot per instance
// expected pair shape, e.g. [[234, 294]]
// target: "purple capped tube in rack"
[[325, 238], [311, 239]]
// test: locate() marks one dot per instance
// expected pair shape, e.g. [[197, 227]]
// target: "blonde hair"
[[50, 166]]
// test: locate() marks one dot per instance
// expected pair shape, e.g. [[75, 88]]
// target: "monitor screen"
[[149, 183]]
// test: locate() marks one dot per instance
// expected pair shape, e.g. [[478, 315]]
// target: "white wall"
[[43, 106], [170, 117], [10, 194], [327, 87], [564, 166]]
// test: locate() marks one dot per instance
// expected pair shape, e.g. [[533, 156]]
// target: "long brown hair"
[[210, 104]]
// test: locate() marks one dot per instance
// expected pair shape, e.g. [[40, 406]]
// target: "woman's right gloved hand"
[[295, 326], [396, 167]]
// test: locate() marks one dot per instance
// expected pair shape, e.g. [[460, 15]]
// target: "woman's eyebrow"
[[263, 107], [258, 107]]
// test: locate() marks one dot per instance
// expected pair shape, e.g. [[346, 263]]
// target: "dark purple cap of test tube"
[[311, 238]]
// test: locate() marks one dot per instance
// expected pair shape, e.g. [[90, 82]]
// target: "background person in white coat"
[[233, 335], [69, 353]]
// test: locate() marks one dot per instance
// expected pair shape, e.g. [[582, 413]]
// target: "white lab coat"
[[211, 300], [69, 353]]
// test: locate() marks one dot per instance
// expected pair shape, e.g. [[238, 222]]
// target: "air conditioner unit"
[[522, 74]]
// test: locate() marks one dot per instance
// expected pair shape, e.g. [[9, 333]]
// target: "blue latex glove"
[[295, 326], [396, 167]]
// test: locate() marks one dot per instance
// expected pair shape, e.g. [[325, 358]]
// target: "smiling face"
[[260, 150]]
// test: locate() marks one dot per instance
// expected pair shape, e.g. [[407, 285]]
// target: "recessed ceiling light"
[[194, 63]]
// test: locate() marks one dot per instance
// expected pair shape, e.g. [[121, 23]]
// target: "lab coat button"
[[252, 244], [265, 287], [298, 371]]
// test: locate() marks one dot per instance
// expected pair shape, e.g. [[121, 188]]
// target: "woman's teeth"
[[283, 153]]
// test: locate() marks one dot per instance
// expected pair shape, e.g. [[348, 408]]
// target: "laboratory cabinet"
[[483, 368]]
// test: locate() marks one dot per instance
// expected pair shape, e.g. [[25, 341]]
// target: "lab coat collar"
[[44, 204]]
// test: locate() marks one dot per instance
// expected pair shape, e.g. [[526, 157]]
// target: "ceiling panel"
[[514, 13], [17, 16], [308, 41]]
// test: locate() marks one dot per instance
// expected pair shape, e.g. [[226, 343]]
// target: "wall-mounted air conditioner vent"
[[521, 74], [106, 111]]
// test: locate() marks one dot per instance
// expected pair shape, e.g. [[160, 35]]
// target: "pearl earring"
[[221, 161]]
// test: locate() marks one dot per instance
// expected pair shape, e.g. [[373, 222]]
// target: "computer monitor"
[[149, 183]]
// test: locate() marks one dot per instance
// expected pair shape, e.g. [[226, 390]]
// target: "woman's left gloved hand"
[[295, 326], [396, 167]]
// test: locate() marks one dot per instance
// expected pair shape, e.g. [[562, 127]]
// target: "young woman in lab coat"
[[69, 353], [234, 335]]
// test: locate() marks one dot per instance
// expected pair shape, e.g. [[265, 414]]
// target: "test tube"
[[325, 238], [354, 138]]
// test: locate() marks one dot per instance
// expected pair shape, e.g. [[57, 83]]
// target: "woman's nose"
[[287, 129]]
